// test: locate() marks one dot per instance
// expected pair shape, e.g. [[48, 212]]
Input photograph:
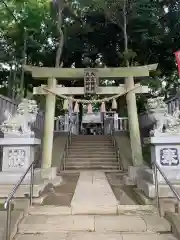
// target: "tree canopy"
[[30, 32]]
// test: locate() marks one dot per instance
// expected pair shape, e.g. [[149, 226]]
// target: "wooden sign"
[[91, 80]]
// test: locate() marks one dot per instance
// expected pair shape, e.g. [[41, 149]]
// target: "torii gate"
[[51, 74]]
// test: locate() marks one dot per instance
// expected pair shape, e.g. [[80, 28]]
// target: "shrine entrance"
[[94, 93]]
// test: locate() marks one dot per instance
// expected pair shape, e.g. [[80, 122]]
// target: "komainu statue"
[[164, 122], [18, 124]]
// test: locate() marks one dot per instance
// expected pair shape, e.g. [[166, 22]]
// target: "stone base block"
[[148, 175], [149, 189], [39, 175], [133, 173], [128, 181], [49, 173], [142, 198], [14, 177], [24, 189]]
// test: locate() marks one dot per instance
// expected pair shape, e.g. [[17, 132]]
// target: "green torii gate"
[[51, 74]]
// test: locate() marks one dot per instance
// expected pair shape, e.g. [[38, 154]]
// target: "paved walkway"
[[93, 194]]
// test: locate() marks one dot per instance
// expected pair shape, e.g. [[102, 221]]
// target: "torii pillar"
[[49, 125], [133, 122]]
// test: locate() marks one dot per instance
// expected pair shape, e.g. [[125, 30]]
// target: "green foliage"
[[91, 27]]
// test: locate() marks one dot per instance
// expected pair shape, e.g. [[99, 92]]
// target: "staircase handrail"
[[8, 201], [173, 189], [68, 142], [112, 133]]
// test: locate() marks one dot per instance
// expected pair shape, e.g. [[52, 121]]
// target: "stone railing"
[[173, 104], [59, 125], [123, 124], [6, 104], [63, 123], [120, 124]]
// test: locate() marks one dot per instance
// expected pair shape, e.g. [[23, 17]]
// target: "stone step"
[[94, 236], [91, 148], [86, 146], [84, 168], [91, 136], [91, 155], [84, 142], [91, 140], [92, 143], [80, 209], [88, 164], [90, 159], [90, 151], [88, 170], [37, 224]]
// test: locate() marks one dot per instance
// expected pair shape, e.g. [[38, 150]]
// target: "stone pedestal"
[[18, 154], [165, 151]]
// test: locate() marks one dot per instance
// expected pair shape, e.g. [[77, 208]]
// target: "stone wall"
[[58, 149], [124, 145]]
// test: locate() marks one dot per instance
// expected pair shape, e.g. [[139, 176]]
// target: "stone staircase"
[[59, 223], [89, 152], [93, 214]]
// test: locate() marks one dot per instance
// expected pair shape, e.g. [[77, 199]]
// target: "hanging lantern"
[[103, 107], [89, 109], [114, 104], [76, 107], [65, 105]]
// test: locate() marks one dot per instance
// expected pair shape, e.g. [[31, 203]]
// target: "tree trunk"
[[23, 63], [14, 88], [61, 36], [10, 82], [125, 34]]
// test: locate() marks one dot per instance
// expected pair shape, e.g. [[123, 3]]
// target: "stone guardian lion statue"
[[164, 122], [18, 124]]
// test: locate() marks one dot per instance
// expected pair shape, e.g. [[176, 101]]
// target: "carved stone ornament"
[[169, 157], [16, 158], [18, 124], [164, 122], [156, 105]]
